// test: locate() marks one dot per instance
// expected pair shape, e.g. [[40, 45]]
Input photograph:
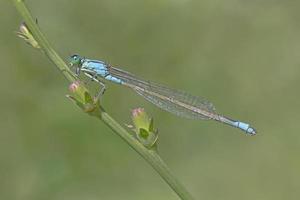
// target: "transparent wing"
[[174, 101]]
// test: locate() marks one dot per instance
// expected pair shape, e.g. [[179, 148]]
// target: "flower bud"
[[144, 130], [82, 98], [26, 34]]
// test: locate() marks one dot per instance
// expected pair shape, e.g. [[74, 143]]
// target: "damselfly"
[[174, 101]]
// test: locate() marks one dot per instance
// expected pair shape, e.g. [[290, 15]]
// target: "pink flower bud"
[[74, 86]]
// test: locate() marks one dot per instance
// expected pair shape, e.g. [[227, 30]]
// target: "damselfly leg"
[[103, 86]]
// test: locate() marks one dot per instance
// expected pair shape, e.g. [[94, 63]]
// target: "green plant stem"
[[150, 156]]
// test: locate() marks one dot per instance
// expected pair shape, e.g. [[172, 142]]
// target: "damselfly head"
[[75, 60]]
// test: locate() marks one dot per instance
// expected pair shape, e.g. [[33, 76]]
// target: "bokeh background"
[[241, 55]]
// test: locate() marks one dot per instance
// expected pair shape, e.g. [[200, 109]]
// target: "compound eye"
[[75, 57]]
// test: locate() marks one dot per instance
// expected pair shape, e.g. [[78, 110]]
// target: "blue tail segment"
[[237, 124], [245, 127]]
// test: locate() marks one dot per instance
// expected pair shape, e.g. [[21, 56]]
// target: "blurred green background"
[[241, 55]]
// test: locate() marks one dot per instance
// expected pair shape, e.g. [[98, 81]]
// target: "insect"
[[174, 101]]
